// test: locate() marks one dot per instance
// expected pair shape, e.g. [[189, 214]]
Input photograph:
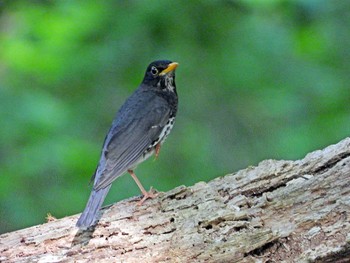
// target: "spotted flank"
[[161, 139]]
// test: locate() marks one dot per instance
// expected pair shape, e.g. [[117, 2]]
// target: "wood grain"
[[278, 211]]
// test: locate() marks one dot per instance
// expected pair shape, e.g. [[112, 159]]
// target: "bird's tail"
[[89, 216]]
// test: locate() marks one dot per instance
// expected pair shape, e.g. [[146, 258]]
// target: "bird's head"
[[161, 75]]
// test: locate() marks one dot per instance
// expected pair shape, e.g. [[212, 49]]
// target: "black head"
[[161, 75]]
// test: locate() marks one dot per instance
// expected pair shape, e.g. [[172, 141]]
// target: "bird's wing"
[[128, 140]]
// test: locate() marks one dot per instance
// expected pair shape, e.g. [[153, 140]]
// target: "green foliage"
[[257, 80]]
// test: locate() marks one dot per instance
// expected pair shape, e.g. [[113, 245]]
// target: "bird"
[[137, 132]]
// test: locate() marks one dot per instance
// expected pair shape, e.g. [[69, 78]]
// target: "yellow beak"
[[171, 67]]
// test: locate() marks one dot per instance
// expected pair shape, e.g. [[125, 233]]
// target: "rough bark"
[[279, 211]]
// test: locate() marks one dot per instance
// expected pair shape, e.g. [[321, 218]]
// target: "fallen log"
[[282, 211]]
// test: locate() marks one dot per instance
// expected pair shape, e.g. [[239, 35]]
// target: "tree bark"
[[278, 211]]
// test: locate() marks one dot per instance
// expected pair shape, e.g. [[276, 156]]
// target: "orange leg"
[[157, 150], [146, 194]]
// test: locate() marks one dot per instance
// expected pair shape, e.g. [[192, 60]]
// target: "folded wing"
[[129, 138]]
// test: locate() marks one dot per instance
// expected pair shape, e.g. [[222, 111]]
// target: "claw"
[[147, 195]]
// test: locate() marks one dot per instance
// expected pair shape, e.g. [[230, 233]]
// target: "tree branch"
[[293, 211]]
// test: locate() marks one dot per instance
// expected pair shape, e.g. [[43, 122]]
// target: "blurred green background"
[[257, 80]]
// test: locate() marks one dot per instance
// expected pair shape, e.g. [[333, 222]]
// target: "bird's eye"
[[154, 71]]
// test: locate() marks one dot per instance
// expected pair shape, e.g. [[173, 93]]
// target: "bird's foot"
[[151, 194]]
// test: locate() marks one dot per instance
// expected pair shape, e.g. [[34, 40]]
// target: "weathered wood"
[[282, 211]]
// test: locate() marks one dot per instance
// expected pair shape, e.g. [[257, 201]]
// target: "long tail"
[[89, 216]]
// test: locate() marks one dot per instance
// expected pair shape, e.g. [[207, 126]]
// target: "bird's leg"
[[157, 150], [146, 194]]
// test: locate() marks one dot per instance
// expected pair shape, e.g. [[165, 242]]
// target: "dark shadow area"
[[83, 237]]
